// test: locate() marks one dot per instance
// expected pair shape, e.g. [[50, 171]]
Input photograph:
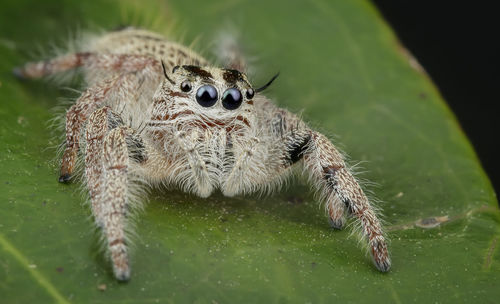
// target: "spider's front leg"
[[248, 171], [337, 185], [106, 170], [200, 182]]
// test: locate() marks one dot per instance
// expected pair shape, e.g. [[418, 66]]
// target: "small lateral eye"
[[186, 86], [232, 99], [250, 93], [207, 96]]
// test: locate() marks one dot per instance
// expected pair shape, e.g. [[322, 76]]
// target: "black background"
[[456, 43]]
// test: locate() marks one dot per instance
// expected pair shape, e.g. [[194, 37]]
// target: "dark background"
[[456, 43]]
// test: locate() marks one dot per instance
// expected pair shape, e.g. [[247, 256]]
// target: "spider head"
[[210, 89]]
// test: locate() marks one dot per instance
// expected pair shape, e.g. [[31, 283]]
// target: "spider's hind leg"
[[104, 63], [229, 52], [39, 69]]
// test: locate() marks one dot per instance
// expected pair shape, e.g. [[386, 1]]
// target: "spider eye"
[[206, 96], [186, 86], [250, 93], [231, 99]]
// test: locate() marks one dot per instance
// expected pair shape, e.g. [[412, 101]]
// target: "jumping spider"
[[154, 112]]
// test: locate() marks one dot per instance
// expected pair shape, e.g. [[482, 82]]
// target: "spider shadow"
[[295, 203]]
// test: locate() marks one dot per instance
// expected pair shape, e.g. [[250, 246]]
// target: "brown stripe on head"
[[198, 71], [231, 76]]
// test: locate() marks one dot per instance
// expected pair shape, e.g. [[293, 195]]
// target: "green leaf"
[[340, 63]]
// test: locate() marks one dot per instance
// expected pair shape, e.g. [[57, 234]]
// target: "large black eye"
[[206, 96], [231, 99], [186, 86]]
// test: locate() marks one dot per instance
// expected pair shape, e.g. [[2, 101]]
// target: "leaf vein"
[[39, 278], [489, 256]]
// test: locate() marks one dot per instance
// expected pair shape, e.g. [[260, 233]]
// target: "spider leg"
[[229, 52], [329, 173], [96, 130], [123, 84], [120, 63], [249, 170], [52, 66], [296, 143], [336, 212], [114, 199], [87, 103], [120, 87], [107, 167], [200, 183]]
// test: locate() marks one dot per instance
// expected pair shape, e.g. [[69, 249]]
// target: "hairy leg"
[[229, 52], [121, 87], [87, 103], [295, 138], [117, 63], [114, 198], [250, 170], [336, 211], [128, 73], [40, 69], [107, 161], [97, 128], [333, 179], [200, 183]]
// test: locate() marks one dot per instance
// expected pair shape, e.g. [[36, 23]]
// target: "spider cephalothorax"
[[155, 112], [206, 97]]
